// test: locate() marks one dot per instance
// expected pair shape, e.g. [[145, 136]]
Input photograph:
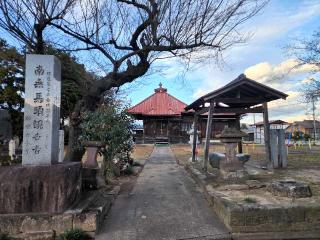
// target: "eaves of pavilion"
[[240, 96]]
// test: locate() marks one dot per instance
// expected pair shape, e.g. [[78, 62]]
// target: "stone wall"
[[87, 215], [255, 221], [51, 189]]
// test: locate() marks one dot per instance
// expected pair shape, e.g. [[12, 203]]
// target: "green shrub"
[[249, 200], [5, 161], [74, 234], [136, 164], [111, 125], [4, 236], [306, 137], [128, 170]]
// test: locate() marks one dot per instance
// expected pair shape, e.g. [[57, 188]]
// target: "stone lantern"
[[231, 166], [92, 175]]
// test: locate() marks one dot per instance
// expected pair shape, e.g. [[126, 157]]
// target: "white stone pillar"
[[42, 110]]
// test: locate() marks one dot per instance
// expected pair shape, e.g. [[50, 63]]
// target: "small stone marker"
[[61, 146], [12, 149], [278, 148], [42, 110]]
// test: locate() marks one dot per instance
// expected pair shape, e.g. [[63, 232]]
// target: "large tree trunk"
[[90, 102], [75, 151]]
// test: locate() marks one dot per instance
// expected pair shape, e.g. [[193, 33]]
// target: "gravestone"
[[42, 110], [12, 149]]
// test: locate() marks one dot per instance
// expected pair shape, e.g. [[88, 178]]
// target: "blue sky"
[[262, 58]]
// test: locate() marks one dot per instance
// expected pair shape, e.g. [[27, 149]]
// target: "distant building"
[[305, 127], [249, 130], [258, 129]]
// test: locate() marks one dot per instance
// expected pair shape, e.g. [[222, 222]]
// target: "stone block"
[[312, 214], [50, 189], [237, 217], [11, 223], [35, 236], [243, 157], [46, 223], [293, 214], [88, 222], [34, 223], [255, 215], [255, 184], [291, 189], [215, 158]]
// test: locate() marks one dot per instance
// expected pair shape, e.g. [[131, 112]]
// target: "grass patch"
[[250, 200], [142, 152], [74, 234], [4, 236]]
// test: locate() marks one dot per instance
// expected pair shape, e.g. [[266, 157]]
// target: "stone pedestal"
[[51, 189], [231, 162], [230, 167]]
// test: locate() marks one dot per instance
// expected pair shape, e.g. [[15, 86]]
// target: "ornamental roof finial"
[[160, 89]]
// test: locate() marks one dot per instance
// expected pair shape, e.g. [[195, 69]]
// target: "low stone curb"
[[88, 216], [254, 221]]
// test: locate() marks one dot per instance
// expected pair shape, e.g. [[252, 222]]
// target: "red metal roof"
[[159, 104]]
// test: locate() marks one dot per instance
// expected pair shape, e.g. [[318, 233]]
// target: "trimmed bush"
[[74, 234]]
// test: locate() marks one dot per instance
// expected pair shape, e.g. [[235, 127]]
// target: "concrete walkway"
[[164, 204]]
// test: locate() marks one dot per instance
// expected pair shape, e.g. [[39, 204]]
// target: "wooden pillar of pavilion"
[[208, 135], [194, 143], [144, 131], [239, 127], [267, 135]]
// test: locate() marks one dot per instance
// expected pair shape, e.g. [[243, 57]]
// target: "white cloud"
[[279, 23], [307, 80], [266, 72], [199, 93]]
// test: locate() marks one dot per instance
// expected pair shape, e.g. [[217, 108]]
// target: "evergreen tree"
[[12, 84]]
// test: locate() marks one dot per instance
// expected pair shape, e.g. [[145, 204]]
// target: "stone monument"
[[40, 184], [191, 139], [278, 149], [190, 132], [41, 110]]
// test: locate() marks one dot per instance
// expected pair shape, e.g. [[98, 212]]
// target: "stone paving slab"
[[164, 204]]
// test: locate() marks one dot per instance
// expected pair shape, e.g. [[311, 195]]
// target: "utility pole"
[[314, 117], [255, 128]]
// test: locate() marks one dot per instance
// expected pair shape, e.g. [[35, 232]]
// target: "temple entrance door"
[[162, 129]]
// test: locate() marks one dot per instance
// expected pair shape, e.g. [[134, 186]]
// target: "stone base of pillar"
[[39, 189], [92, 179]]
